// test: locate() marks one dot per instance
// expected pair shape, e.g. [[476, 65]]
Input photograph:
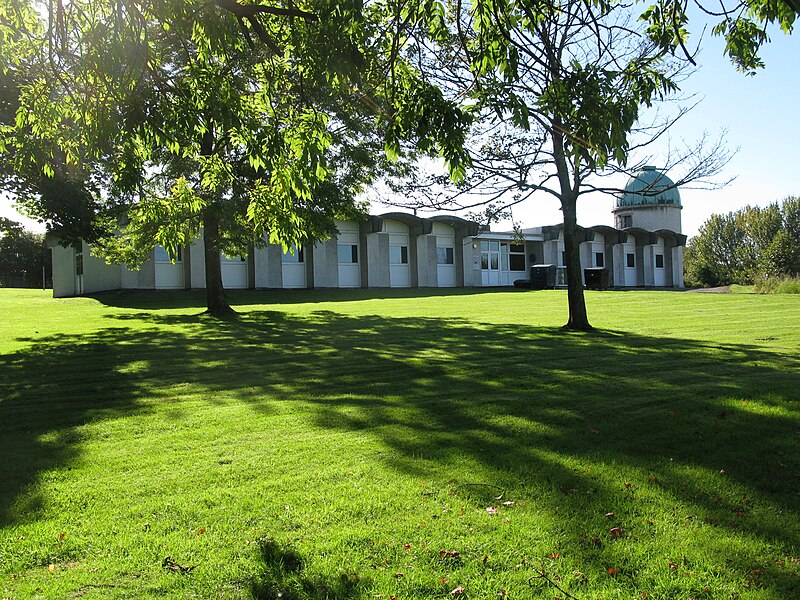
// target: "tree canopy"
[[23, 256], [746, 245], [251, 122], [559, 90], [744, 25]]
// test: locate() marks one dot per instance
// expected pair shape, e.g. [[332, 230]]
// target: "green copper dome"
[[647, 188]]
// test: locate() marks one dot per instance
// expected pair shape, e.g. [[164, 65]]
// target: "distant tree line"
[[745, 246], [24, 257]]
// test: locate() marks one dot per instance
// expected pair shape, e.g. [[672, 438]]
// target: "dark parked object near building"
[[596, 278], [543, 277]]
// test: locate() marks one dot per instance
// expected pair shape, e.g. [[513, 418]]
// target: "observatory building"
[[400, 250], [650, 201]]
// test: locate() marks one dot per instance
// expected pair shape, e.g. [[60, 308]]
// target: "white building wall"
[[98, 276], [197, 264], [63, 271], [677, 267], [326, 264]]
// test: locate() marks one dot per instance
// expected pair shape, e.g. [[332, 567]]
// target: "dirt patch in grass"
[[723, 289]]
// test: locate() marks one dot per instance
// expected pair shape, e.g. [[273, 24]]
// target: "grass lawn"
[[378, 445]]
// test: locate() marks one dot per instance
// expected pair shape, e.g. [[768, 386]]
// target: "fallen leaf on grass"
[[610, 515], [458, 591], [492, 510], [399, 575], [406, 546], [673, 566], [51, 567], [201, 531], [612, 571], [553, 555], [508, 503], [450, 553], [616, 532], [567, 491]]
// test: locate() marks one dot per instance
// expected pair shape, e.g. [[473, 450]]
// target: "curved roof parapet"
[[469, 228], [551, 232], [678, 239], [419, 224], [649, 187], [642, 236], [370, 224], [615, 236]]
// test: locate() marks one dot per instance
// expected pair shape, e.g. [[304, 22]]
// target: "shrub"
[[778, 285]]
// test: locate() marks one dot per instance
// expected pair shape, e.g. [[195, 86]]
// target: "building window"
[[162, 256], [293, 255], [624, 221], [444, 255], [630, 260], [599, 259], [79, 264], [398, 255], [231, 259], [348, 254], [659, 261], [484, 260], [562, 257], [516, 257]]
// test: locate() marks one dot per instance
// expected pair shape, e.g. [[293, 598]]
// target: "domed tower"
[[650, 201]]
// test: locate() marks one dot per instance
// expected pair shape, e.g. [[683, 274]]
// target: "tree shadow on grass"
[[522, 403], [283, 577], [148, 300]]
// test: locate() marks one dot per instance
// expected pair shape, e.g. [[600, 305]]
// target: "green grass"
[[348, 444]]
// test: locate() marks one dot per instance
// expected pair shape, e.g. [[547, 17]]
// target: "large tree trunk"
[[215, 294], [569, 185], [578, 319]]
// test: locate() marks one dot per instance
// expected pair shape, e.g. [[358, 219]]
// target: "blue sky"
[[760, 113]]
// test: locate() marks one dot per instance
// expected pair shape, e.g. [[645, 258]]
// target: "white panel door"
[[629, 264], [169, 275], [659, 272], [294, 268], [445, 255], [348, 251]]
